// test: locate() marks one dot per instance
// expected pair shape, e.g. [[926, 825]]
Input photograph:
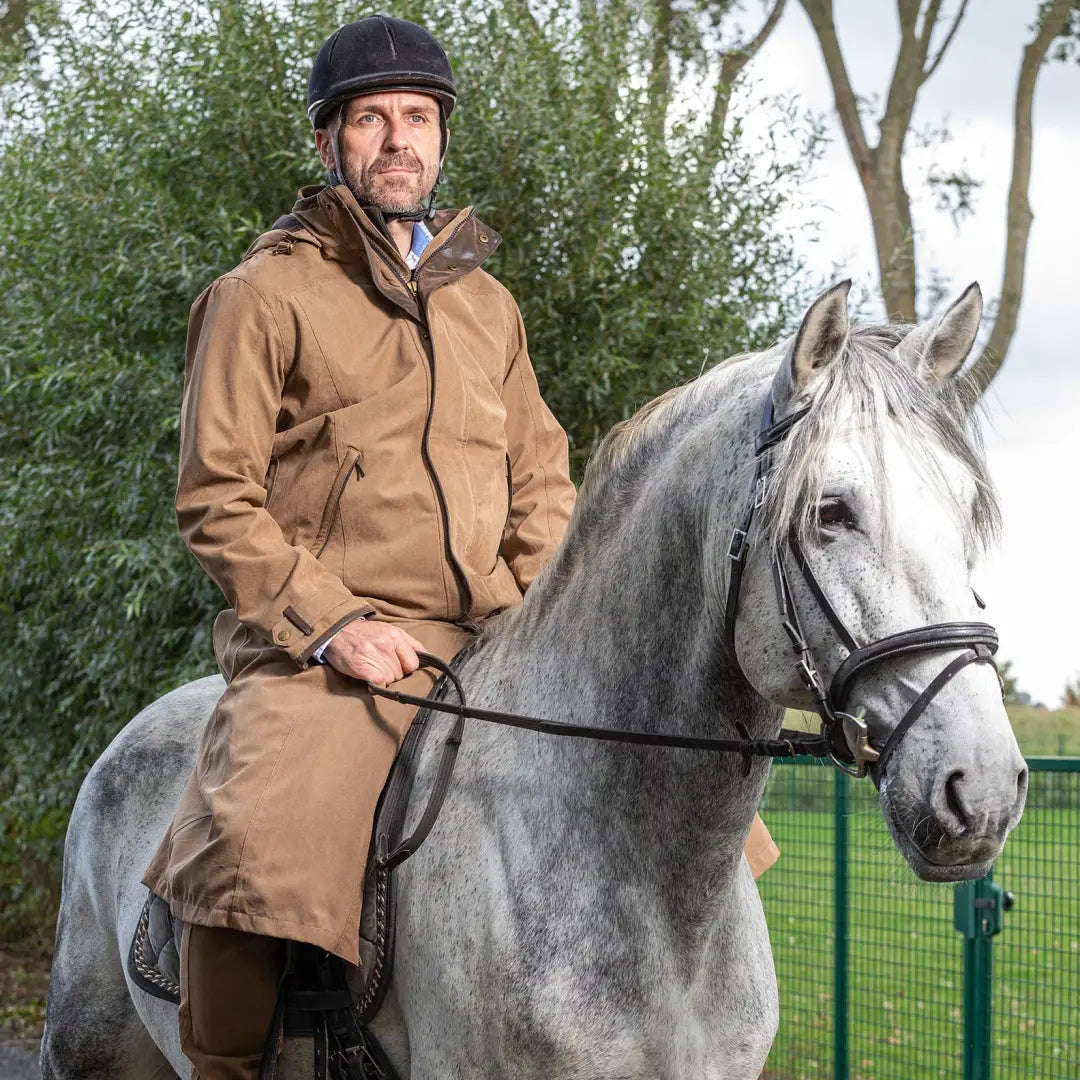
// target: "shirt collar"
[[421, 237]]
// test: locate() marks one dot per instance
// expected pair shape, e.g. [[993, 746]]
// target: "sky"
[[1032, 581]]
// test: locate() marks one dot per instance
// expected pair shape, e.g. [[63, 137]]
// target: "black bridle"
[[846, 734], [844, 738]]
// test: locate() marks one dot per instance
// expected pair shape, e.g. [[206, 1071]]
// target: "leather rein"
[[844, 738]]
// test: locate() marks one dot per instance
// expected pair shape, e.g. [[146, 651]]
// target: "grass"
[[1046, 732], [905, 986]]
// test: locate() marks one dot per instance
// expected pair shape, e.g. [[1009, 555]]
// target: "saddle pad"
[[154, 956]]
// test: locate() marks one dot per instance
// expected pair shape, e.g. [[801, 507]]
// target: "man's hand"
[[376, 652]]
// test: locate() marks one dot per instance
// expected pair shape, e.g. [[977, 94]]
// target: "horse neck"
[[622, 633]]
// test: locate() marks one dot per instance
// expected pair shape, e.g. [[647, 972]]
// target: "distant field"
[[1040, 732], [1046, 732], [906, 960]]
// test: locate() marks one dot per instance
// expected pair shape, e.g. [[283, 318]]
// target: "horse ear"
[[820, 340], [936, 350]]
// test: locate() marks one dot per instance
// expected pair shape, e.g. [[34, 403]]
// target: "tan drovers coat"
[[355, 439]]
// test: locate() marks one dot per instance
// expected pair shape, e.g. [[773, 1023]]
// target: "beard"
[[392, 193]]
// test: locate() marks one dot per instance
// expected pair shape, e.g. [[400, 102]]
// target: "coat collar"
[[346, 232], [331, 219]]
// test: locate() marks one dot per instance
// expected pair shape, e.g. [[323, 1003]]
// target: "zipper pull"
[[412, 285], [358, 465]]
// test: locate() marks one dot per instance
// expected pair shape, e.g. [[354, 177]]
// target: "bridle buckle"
[[737, 547]]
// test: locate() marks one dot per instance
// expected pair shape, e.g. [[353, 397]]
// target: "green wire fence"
[[883, 977]]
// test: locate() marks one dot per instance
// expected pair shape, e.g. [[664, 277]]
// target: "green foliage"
[[143, 148], [635, 262]]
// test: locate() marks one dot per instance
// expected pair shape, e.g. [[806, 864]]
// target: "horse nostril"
[[952, 799], [1021, 784]]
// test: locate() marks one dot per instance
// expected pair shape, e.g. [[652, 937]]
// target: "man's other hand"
[[377, 652]]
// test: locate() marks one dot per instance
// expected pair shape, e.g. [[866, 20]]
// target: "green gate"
[[883, 976]]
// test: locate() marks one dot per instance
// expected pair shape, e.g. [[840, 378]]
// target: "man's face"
[[389, 145]]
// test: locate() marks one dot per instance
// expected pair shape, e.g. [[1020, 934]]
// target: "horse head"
[[874, 504]]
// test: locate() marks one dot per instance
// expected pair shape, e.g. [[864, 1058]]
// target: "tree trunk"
[[660, 73], [732, 63], [1018, 226], [894, 239]]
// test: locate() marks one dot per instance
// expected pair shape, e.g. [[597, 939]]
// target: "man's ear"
[[325, 145]]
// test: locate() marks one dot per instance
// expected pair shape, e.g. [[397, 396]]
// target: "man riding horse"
[[367, 470]]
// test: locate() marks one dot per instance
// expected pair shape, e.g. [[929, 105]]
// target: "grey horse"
[[582, 909]]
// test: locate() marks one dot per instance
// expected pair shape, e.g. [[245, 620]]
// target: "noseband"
[[846, 734]]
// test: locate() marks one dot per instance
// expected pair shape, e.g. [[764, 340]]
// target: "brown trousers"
[[228, 990]]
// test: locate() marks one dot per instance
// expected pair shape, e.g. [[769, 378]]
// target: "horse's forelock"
[[870, 382]]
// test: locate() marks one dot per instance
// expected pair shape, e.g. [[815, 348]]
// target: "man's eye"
[[419, 118], [835, 514]]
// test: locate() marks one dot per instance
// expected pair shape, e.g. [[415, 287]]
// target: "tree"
[[139, 163], [1010, 689], [22, 25], [879, 165], [1070, 699]]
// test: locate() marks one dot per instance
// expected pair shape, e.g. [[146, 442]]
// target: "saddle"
[[322, 998]]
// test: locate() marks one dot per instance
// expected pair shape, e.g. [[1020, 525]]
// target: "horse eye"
[[835, 514]]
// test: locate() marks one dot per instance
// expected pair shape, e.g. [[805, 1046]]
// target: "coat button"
[[283, 635]]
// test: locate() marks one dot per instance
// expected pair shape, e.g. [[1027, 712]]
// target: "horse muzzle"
[[948, 833]]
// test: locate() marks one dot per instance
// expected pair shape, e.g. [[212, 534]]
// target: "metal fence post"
[[840, 926], [978, 907]]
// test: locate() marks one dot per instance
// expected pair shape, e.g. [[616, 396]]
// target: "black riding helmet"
[[380, 53]]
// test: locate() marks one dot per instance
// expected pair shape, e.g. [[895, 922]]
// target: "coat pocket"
[[268, 483], [353, 462]]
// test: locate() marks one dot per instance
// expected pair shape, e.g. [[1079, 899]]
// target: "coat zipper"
[[353, 460], [440, 496], [268, 485], [455, 566], [509, 491], [459, 573]]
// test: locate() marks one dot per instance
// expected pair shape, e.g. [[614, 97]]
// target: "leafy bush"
[[144, 146]]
